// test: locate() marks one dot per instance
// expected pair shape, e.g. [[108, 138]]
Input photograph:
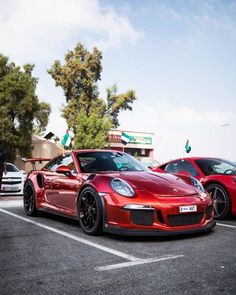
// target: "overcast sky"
[[179, 56]]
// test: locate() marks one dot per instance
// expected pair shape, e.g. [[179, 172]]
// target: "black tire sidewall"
[[227, 210], [97, 229], [33, 212]]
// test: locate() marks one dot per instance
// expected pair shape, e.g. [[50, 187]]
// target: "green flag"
[[187, 147], [66, 141], [125, 138]]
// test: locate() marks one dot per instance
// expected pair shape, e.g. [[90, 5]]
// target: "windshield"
[[92, 162], [216, 166], [11, 168]]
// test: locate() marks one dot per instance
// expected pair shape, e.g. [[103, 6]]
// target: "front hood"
[[162, 184]]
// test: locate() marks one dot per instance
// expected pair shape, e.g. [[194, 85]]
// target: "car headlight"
[[197, 184], [122, 187]]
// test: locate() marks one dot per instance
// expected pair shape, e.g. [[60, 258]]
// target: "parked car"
[[149, 162], [13, 181], [110, 191], [218, 176]]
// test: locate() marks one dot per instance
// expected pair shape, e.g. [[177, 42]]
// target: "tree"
[[117, 102], [21, 113], [86, 113]]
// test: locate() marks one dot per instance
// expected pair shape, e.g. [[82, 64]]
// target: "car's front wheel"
[[90, 211], [29, 199], [222, 204]]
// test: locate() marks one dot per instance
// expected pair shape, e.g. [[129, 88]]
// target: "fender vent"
[[40, 180], [91, 176]]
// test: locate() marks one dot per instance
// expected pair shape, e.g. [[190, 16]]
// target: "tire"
[[29, 199], [90, 211], [222, 203]]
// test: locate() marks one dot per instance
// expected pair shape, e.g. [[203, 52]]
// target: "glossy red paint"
[[112, 192], [209, 179]]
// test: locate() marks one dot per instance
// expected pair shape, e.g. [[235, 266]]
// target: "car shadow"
[[75, 224], [159, 238]]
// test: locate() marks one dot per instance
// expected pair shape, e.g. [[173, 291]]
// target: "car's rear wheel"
[[90, 211], [29, 199], [222, 204]]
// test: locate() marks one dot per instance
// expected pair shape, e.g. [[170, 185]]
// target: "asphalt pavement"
[[51, 255]]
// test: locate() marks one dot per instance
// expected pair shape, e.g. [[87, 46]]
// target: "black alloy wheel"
[[221, 200], [29, 199], [90, 211]]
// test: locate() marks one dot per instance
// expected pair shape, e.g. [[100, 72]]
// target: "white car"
[[13, 181]]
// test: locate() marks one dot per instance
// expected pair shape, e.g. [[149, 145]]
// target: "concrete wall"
[[42, 148]]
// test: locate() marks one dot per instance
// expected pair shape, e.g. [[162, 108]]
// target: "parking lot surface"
[[51, 255]]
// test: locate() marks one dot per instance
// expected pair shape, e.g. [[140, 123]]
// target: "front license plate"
[[10, 188], [183, 209]]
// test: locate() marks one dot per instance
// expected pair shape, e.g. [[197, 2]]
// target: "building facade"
[[140, 145]]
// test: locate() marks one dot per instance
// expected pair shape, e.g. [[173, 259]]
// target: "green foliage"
[[78, 78], [20, 110], [117, 102], [89, 116], [91, 130]]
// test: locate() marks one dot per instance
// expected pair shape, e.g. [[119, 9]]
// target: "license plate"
[[192, 208], [10, 188]]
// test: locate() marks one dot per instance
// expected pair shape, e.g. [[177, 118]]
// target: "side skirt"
[[54, 212]]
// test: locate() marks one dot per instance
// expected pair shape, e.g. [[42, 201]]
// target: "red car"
[[110, 191], [218, 177]]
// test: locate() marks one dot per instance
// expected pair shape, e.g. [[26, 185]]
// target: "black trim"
[[91, 176], [155, 232], [55, 212], [103, 213]]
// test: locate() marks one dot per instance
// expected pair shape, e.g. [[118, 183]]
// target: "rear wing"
[[33, 161]]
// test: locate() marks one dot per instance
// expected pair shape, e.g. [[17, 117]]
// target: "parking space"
[[52, 253]]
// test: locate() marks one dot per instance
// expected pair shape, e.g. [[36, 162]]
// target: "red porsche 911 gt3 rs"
[[110, 191]]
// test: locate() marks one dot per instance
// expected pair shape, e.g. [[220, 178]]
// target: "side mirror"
[[157, 169], [63, 170]]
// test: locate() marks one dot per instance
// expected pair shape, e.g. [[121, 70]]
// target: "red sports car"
[[218, 177], [110, 191]]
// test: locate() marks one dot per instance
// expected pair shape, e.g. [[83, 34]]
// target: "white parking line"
[[132, 263], [73, 237], [226, 225], [132, 259]]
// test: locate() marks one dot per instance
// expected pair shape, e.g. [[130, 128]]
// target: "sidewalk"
[[11, 201], [12, 197]]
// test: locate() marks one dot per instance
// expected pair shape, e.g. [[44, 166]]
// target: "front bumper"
[[156, 232], [11, 190], [158, 216]]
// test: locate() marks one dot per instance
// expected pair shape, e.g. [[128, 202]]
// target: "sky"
[[178, 55]]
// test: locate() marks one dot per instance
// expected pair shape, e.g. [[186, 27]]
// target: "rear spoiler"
[[34, 160]]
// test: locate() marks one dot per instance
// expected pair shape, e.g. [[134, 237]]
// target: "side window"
[[181, 166], [171, 167], [65, 159], [52, 164], [188, 167], [86, 162]]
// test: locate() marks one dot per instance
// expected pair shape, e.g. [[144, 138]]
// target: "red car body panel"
[[227, 181], [164, 193]]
